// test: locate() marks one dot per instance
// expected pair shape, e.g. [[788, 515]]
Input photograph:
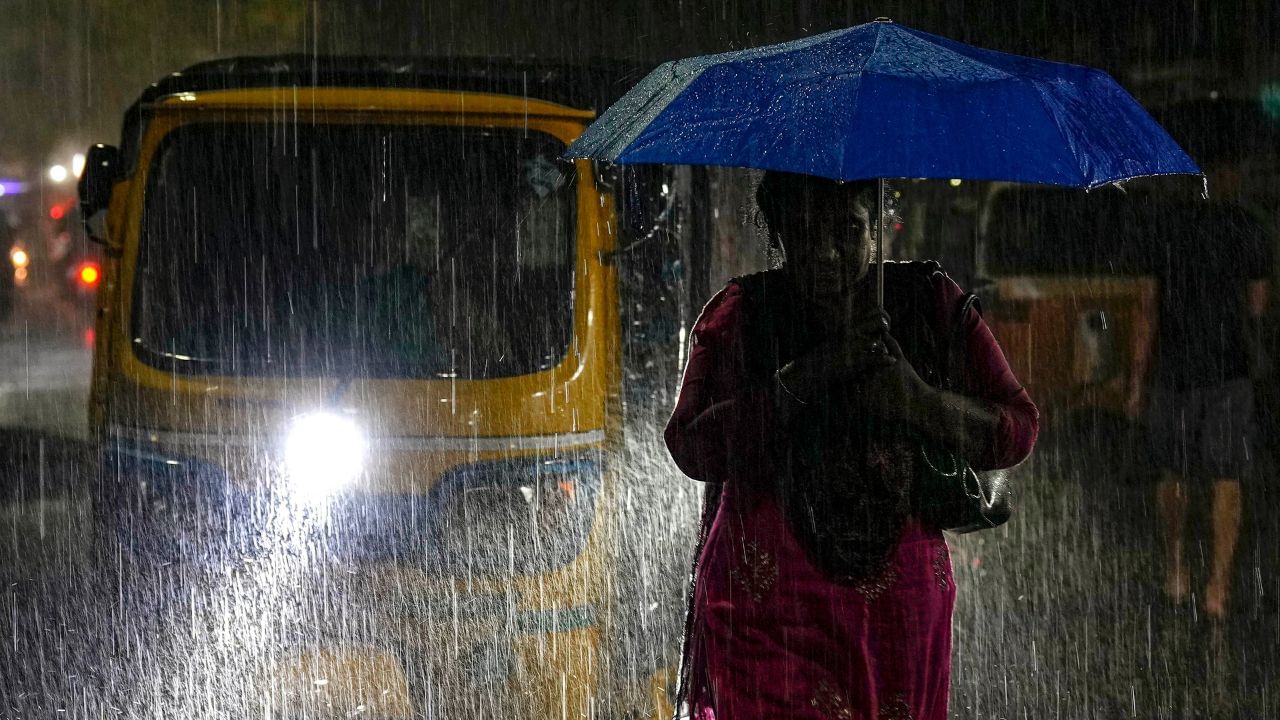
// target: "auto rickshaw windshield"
[[415, 251]]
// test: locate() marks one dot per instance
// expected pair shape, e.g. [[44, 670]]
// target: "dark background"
[[69, 67]]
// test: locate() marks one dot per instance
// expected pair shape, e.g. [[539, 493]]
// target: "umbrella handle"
[[880, 244]]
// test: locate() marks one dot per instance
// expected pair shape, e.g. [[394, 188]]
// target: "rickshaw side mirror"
[[647, 204], [101, 172]]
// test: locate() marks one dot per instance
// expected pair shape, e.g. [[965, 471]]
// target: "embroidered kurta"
[[770, 635]]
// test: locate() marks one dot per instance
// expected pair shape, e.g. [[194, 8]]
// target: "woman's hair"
[[778, 189]]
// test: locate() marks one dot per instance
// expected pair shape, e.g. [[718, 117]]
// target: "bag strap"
[[969, 301], [764, 332]]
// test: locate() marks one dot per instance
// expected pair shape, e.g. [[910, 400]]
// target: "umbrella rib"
[[876, 49], [1066, 137]]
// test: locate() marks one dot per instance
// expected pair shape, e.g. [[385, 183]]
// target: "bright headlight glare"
[[323, 452]]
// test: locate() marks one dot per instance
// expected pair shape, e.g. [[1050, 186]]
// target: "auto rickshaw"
[[360, 311]]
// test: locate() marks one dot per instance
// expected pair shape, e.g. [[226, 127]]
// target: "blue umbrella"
[[883, 100]]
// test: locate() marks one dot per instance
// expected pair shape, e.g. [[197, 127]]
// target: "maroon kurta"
[[771, 637]]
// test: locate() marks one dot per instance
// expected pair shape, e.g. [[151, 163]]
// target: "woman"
[[817, 593]]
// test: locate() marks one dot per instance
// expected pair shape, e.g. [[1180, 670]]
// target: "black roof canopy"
[[584, 85], [590, 85]]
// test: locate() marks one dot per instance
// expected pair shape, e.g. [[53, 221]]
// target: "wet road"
[[45, 362], [1060, 613], [46, 570], [1058, 617]]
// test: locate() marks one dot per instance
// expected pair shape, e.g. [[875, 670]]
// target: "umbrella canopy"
[[882, 100]]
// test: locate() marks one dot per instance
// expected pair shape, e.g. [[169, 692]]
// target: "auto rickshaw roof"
[[586, 85]]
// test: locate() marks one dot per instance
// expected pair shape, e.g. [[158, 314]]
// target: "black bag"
[[949, 494]]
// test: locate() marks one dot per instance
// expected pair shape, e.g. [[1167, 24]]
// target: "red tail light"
[[89, 274]]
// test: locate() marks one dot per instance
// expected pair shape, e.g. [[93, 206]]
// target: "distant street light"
[[58, 173]]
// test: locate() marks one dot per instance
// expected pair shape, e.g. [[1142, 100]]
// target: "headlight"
[[323, 451]]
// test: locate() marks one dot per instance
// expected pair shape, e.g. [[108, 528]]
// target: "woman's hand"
[[849, 356], [840, 361], [894, 391]]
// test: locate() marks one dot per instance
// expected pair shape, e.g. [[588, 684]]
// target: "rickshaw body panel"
[[1078, 342]]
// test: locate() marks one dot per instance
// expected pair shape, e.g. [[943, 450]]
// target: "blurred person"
[[1214, 289], [433, 291], [817, 592], [402, 287]]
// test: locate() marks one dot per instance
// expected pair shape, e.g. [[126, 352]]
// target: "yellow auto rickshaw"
[[360, 345]]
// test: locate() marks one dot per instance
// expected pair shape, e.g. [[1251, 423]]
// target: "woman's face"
[[825, 231]]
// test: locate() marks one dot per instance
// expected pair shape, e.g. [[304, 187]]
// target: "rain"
[[330, 388]]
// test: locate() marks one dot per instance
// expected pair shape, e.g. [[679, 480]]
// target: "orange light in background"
[[88, 337], [19, 257], [57, 211], [89, 274], [20, 276]]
